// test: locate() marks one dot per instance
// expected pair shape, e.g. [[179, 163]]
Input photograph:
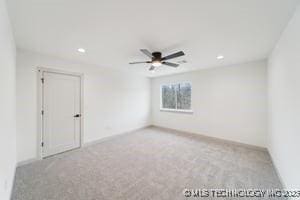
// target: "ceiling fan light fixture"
[[157, 60], [156, 63]]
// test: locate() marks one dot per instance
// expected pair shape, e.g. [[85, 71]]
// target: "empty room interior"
[[140, 100]]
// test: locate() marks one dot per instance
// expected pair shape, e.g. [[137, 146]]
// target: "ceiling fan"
[[157, 59]]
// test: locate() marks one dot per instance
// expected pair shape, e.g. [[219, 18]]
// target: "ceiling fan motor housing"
[[156, 56]]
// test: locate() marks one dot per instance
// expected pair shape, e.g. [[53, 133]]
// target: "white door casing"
[[61, 105]]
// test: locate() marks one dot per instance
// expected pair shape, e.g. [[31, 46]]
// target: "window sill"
[[176, 110]]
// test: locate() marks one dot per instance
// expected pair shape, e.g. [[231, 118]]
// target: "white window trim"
[[176, 110]]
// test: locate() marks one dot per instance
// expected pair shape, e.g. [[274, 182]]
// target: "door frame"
[[40, 118]]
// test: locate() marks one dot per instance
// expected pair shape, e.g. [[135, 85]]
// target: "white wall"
[[228, 103], [7, 105], [284, 101], [114, 102]]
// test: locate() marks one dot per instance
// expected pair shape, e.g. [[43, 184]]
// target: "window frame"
[[171, 109]]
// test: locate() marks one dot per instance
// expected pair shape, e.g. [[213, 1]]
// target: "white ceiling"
[[113, 31]]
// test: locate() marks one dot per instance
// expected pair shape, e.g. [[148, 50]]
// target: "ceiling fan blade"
[[174, 55], [147, 53], [140, 62], [170, 64]]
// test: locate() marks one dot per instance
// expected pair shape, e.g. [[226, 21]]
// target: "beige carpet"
[[146, 164]]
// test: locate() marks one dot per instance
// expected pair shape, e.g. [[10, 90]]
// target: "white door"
[[61, 112]]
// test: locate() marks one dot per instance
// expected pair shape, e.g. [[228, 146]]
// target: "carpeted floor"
[[148, 164]]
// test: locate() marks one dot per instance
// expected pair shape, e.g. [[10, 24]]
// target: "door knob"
[[77, 115]]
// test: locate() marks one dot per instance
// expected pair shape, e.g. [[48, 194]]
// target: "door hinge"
[[42, 79], [42, 144], [42, 112]]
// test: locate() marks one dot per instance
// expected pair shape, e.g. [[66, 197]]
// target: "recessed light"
[[220, 57], [81, 50]]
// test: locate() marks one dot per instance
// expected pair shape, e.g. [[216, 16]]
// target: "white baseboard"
[[277, 172], [13, 182], [212, 138], [28, 161], [25, 162], [113, 136]]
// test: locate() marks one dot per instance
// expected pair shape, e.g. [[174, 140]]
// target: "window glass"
[[169, 96], [184, 96], [176, 96]]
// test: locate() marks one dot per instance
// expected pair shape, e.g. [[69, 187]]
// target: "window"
[[176, 97]]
